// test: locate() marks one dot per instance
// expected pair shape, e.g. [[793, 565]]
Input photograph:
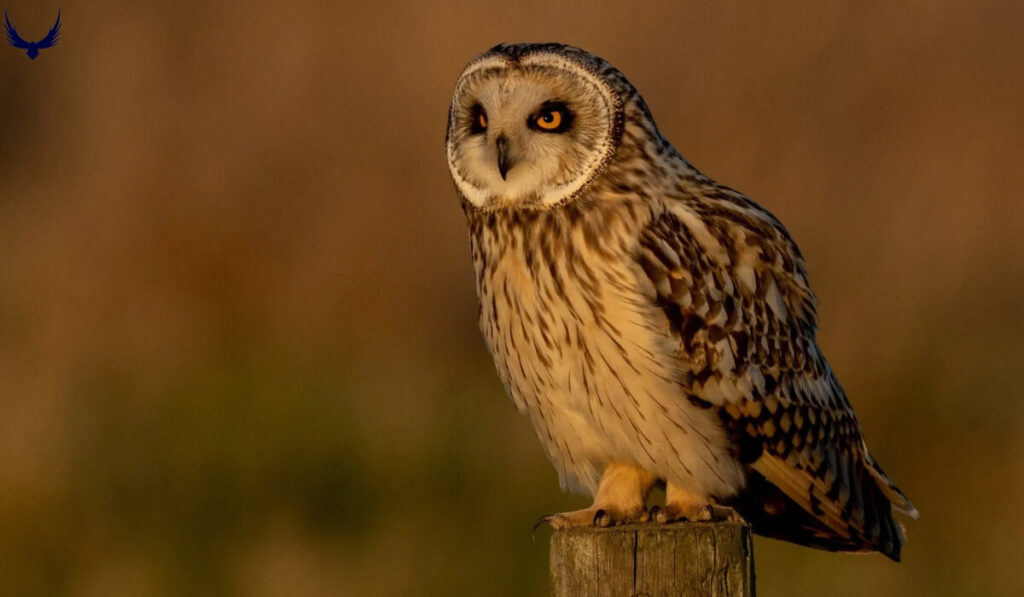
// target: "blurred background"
[[238, 344]]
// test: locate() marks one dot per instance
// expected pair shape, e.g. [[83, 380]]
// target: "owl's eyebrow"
[[553, 104]]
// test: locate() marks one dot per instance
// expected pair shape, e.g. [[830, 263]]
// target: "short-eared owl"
[[656, 326]]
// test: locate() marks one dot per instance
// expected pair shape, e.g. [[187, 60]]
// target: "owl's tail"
[[899, 501], [855, 514]]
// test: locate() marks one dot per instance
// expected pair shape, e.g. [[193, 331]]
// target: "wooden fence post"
[[649, 560]]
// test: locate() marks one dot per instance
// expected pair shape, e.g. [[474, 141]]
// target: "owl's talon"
[[540, 521], [723, 514], [659, 515]]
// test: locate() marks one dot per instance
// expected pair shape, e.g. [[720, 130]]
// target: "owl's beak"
[[505, 162]]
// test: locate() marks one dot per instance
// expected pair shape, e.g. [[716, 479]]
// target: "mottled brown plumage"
[[654, 325]]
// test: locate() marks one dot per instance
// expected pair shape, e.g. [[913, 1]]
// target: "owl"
[[655, 326]]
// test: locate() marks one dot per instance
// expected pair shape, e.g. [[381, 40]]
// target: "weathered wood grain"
[[685, 559]]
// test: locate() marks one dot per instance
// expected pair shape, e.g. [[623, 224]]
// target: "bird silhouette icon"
[[33, 47]]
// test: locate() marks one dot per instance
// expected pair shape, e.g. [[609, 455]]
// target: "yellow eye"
[[550, 120], [482, 120]]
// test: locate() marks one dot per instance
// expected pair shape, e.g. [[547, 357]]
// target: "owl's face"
[[529, 130]]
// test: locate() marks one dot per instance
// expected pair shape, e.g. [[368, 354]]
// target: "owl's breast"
[[582, 349]]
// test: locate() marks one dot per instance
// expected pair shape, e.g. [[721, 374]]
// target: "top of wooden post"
[[651, 560]]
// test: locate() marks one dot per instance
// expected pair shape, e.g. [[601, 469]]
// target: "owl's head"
[[532, 124]]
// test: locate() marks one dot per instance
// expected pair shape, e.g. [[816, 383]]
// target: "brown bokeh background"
[[238, 346]]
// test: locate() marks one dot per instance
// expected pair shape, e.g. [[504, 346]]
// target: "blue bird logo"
[[33, 47]]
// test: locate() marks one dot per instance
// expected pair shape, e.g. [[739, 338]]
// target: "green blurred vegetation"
[[238, 347]]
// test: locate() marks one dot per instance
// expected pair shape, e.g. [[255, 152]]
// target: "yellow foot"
[[620, 499], [682, 504], [593, 516], [674, 513]]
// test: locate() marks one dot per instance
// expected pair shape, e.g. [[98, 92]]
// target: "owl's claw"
[[660, 515], [602, 519], [724, 514]]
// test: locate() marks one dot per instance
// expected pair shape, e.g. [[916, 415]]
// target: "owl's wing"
[[734, 289]]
